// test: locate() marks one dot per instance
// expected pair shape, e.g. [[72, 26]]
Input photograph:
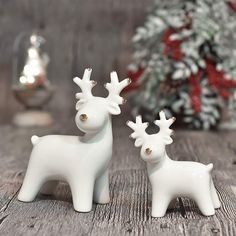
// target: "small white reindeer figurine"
[[171, 179], [81, 161]]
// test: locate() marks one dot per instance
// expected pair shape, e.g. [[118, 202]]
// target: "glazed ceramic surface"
[[81, 161], [171, 179]]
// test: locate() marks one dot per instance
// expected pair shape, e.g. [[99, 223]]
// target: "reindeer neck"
[[104, 134], [158, 165]]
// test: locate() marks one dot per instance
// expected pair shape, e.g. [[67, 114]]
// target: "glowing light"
[[33, 38], [36, 71], [27, 69], [30, 70], [31, 80], [32, 52], [23, 79]]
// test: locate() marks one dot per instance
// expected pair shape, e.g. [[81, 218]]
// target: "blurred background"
[[78, 33], [180, 55]]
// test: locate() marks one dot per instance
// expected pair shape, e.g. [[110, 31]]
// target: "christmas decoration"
[[34, 70], [170, 179], [81, 161], [31, 86], [186, 52]]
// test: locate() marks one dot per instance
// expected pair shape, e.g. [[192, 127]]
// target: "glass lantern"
[[31, 86]]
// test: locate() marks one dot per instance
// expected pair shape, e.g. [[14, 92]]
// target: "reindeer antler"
[[139, 131], [165, 132], [85, 85], [115, 87]]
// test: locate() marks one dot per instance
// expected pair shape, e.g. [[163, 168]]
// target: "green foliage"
[[206, 29]]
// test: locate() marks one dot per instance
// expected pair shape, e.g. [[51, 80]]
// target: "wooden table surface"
[[129, 209]]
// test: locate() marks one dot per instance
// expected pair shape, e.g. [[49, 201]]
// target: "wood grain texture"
[[128, 213], [80, 33]]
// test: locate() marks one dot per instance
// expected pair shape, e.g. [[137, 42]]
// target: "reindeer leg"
[[101, 189], [49, 187], [214, 196], [82, 193], [160, 202], [31, 185], [204, 201]]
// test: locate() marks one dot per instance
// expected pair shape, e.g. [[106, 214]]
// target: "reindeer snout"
[[83, 117], [148, 151]]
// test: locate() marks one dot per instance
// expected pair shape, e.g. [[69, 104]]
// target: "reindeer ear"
[[79, 104], [138, 142], [167, 140], [113, 108]]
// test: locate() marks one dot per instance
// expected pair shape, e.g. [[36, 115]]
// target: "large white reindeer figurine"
[[81, 161], [170, 179]]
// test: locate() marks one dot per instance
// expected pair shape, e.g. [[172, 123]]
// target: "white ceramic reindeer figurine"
[[81, 161], [171, 179]]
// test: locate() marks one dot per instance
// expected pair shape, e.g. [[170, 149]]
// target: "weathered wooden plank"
[[128, 212]]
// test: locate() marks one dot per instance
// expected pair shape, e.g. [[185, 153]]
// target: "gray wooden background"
[[81, 33]]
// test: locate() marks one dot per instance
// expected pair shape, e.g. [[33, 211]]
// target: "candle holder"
[[31, 86]]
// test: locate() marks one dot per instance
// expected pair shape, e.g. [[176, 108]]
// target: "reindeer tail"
[[209, 167], [34, 139]]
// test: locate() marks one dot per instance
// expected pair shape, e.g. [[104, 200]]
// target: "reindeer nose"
[[148, 151], [83, 117]]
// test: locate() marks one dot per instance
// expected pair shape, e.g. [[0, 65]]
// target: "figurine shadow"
[[61, 193]]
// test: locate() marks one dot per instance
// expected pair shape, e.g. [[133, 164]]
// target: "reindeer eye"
[[148, 151]]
